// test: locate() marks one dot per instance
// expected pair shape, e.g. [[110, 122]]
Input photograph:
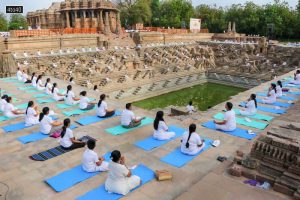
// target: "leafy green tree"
[[3, 22], [17, 21], [155, 8]]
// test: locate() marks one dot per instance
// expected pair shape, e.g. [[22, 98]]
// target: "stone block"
[[248, 173], [283, 189], [239, 153], [235, 170], [238, 160]]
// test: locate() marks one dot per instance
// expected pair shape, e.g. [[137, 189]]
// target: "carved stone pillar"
[[107, 26], [100, 21], [67, 19], [118, 21]]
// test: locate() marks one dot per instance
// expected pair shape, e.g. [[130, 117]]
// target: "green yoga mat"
[[40, 95], [118, 130], [41, 101], [11, 81], [31, 91], [3, 118], [63, 106], [242, 121], [22, 106], [26, 88], [256, 116]]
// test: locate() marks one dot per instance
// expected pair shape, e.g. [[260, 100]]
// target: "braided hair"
[[158, 118], [69, 87], [54, 86], [192, 129], [44, 112], [67, 123], [102, 97], [30, 103]]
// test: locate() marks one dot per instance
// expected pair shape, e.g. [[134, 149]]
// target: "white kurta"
[[55, 95], [69, 98], [127, 117], [250, 108], [162, 132], [8, 111], [24, 77], [89, 160], [33, 81], [19, 75], [101, 110], [230, 124], [40, 85], [194, 141], [48, 88], [278, 91], [270, 99], [30, 118], [297, 81], [117, 180], [3, 102], [46, 124]]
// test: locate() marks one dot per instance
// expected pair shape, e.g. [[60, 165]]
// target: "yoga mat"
[[289, 98], [26, 88], [3, 118], [40, 95], [266, 109], [177, 159], [281, 104], [118, 130], [255, 116], [238, 132], [242, 121], [93, 119], [22, 106], [31, 91], [150, 143], [74, 112], [33, 137], [71, 177], [141, 170], [64, 106], [11, 80], [286, 84], [51, 153], [294, 93], [42, 101]]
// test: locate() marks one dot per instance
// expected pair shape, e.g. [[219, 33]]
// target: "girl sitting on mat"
[[120, 179], [279, 89], [10, 111], [251, 106], [102, 109], [48, 86], [190, 108], [24, 77], [3, 102], [19, 74], [271, 98], [33, 80], [84, 102], [39, 83], [67, 140], [55, 93], [128, 119], [32, 114], [90, 161], [47, 124], [191, 142], [229, 122], [296, 80], [160, 128], [70, 96]]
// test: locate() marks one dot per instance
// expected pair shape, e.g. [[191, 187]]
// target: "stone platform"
[[203, 176]]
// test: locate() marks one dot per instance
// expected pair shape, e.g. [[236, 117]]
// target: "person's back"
[[278, 91], [230, 120], [89, 160], [8, 108], [83, 103], [101, 110], [30, 118], [251, 108], [126, 117], [33, 81], [3, 102], [116, 181], [69, 98], [194, 141], [45, 124]]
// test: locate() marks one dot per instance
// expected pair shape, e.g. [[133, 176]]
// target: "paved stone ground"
[[201, 177]]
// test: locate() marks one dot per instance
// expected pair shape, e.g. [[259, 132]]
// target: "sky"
[[31, 5]]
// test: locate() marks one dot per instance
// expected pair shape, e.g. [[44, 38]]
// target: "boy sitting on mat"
[[128, 119], [229, 122], [90, 161]]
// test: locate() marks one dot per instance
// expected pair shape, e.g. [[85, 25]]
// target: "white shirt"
[[30, 118], [194, 141], [8, 108], [272, 95], [190, 108], [55, 93], [39, 85], [69, 98], [126, 117], [33, 81], [19, 75], [250, 107], [162, 127], [101, 110], [24, 77], [66, 140], [48, 88], [230, 119], [3, 102], [89, 160], [83, 103], [298, 78], [278, 91], [45, 124]]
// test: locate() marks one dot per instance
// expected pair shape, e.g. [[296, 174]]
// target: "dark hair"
[[44, 112], [279, 83], [298, 71], [192, 129], [71, 79], [67, 122], [39, 77], [8, 99], [158, 118], [115, 155], [47, 81], [128, 105], [69, 87], [253, 97], [4, 97], [91, 144], [53, 86], [95, 87], [273, 85], [83, 93], [102, 97], [33, 74], [229, 105], [30, 103], [190, 103]]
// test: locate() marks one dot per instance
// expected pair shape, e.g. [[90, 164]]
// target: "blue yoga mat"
[[238, 132], [142, 171], [33, 137], [293, 93], [281, 104], [42, 101], [286, 84], [150, 143], [93, 119], [177, 159], [289, 98], [40, 95], [71, 177], [267, 109]]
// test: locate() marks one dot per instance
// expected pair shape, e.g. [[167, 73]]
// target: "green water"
[[203, 96]]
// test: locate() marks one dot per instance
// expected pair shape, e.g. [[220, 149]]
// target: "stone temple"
[[91, 47]]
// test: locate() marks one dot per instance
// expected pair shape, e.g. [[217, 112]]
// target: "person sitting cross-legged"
[[128, 119]]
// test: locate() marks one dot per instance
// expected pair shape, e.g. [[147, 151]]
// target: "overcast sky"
[[31, 5]]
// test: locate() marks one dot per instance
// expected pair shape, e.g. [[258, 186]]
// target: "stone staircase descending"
[[178, 81], [137, 90], [152, 87], [166, 83], [119, 95]]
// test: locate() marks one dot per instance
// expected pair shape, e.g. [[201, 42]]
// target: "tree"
[[17, 21], [155, 8], [3, 22]]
